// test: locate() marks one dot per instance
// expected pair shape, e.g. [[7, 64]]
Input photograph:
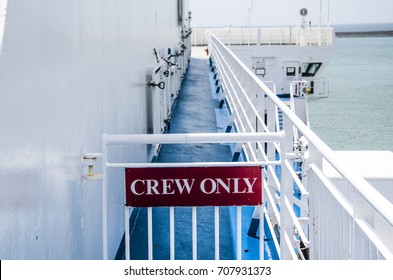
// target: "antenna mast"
[[320, 13], [328, 15]]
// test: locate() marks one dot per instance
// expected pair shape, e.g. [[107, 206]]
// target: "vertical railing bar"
[[104, 200], [194, 233], [150, 232], [291, 250], [261, 232], [261, 224], [172, 232], [216, 233], [286, 191], [299, 183], [239, 232], [127, 231]]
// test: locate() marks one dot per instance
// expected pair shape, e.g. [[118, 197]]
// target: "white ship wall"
[[70, 71]]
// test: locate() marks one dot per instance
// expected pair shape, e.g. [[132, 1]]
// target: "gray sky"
[[286, 12]]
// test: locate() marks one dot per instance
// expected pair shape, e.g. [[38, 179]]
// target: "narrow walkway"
[[195, 112]]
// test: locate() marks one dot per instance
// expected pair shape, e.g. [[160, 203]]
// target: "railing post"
[[127, 233], [286, 226], [271, 126], [104, 199]]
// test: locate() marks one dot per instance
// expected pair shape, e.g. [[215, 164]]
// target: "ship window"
[[291, 71], [310, 69], [260, 71]]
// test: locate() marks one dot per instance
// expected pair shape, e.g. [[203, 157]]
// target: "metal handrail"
[[381, 204], [318, 148], [177, 138]]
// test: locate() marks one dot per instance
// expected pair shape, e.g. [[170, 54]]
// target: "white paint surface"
[[70, 71]]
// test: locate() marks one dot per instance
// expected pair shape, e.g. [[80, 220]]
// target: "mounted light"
[[303, 12], [89, 161]]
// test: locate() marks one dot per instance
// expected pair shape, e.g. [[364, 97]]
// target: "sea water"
[[358, 115]]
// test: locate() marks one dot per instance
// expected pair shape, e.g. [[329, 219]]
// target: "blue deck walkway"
[[196, 111]]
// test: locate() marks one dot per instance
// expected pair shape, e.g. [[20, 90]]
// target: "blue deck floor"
[[197, 110]]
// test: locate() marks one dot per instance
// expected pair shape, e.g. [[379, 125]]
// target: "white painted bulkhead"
[[70, 71]]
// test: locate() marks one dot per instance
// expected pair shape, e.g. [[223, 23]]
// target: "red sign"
[[193, 186]]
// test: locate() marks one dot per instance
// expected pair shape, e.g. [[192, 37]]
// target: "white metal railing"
[[153, 139], [299, 36], [250, 100]]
